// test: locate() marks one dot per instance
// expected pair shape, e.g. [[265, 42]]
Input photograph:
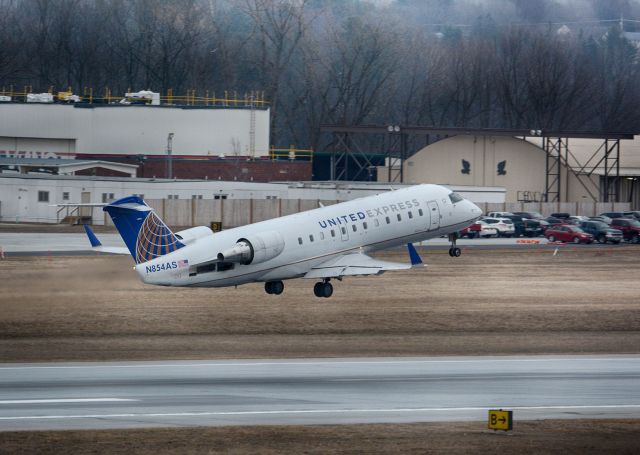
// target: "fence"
[[239, 212]]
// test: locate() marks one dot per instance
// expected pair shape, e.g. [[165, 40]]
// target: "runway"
[[31, 244], [315, 391]]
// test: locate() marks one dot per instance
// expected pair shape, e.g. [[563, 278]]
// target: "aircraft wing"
[[353, 264]]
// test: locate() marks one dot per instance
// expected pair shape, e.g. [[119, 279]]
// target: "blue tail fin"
[[144, 233]]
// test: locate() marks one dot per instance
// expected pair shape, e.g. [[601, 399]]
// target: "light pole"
[[169, 157]]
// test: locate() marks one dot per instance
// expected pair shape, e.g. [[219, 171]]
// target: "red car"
[[630, 228], [568, 233]]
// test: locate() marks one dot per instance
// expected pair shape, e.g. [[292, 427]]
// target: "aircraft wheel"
[[456, 252], [277, 287], [268, 287], [326, 290], [451, 252], [317, 289]]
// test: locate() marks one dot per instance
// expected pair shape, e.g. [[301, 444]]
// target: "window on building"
[[107, 197], [300, 240], [65, 196], [219, 196], [172, 196], [272, 197], [141, 196], [196, 196], [43, 196]]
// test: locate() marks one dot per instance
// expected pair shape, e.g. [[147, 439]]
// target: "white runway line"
[[67, 400], [313, 363], [315, 411]]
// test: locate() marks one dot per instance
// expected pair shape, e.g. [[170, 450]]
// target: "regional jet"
[[320, 244]]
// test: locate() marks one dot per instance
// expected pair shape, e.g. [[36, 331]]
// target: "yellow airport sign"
[[500, 420]]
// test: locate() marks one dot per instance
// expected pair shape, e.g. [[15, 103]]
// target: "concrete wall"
[[44, 130]]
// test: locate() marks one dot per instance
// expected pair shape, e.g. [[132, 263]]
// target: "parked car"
[[568, 233], [630, 228], [530, 215], [499, 214], [604, 219], [554, 222], [613, 215], [577, 219], [479, 229], [635, 214], [601, 231], [504, 226], [561, 215]]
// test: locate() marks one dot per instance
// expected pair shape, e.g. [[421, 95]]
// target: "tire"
[[616, 242], [636, 239], [326, 290], [456, 252], [601, 239], [552, 238], [316, 289], [277, 287], [576, 240]]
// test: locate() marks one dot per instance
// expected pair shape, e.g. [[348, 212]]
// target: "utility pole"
[[169, 156]]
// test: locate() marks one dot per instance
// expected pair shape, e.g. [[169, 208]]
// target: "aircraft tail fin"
[[145, 234]]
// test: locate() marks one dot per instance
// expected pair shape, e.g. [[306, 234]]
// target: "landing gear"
[[274, 287], [323, 289], [454, 251]]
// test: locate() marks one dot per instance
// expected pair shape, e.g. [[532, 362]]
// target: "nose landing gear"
[[323, 289], [454, 251], [274, 287]]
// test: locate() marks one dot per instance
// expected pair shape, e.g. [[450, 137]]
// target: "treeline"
[[339, 61]]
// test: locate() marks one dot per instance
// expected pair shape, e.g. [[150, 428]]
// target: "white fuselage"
[[310, 238]]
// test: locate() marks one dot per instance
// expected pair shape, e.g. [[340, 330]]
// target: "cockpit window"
[[455, 197]]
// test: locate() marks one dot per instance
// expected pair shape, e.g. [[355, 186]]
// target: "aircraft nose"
[[475, 210]]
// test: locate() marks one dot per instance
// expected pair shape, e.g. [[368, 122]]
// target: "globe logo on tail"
[[154, 239]]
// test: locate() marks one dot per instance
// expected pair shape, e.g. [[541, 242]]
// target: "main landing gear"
[[323, 289], [454, 251], [274, 287]]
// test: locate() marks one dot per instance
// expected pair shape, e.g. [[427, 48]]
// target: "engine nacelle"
[[254, 249], [189, 235]]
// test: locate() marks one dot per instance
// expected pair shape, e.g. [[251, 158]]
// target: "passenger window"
[[353, 226], [344, 230], [376, 223], [300, 240], [364, 224], [399, 217], [420, 212], [410, 215], [322, 236], [311, 237], [388, 220], [333, 233]]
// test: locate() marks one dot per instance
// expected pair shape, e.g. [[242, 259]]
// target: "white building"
[[33, 198], [94, 131]]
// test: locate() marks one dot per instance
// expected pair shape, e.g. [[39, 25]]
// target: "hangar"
[[533, 165]]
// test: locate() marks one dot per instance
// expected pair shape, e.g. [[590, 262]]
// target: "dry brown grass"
[[543, 437], [485, 302]]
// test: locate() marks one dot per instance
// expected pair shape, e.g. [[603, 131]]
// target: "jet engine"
[[254, 249]]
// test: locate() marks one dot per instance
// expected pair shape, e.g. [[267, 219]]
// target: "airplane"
[[326, 243]]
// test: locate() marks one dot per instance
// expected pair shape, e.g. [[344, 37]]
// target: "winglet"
[[416, 260], [92, 237]]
